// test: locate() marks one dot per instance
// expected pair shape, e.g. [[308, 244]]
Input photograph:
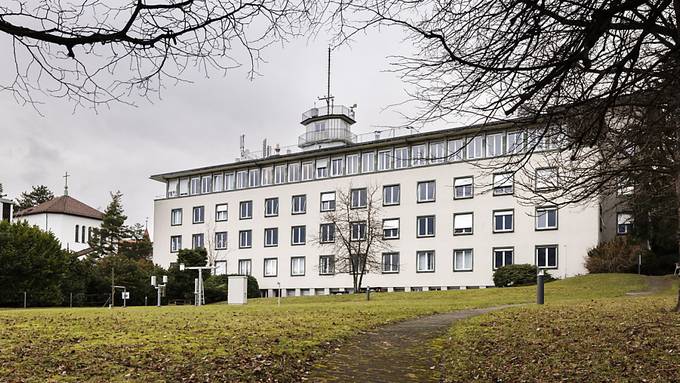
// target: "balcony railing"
[[325, 111], [328, 135]]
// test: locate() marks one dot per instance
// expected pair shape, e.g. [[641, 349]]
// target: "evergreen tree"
[[137, 245], [35, 197], [107, 238]]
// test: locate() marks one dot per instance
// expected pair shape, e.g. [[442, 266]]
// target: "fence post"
[[70, 300], [24, 299]]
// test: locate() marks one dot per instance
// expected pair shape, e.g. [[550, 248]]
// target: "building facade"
[[70, 220], [6, 210], [451, 219]]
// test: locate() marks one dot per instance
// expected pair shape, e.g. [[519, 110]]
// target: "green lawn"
[[260, 341], [631, 339]]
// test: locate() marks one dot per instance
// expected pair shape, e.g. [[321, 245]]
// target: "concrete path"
[[395, 353]]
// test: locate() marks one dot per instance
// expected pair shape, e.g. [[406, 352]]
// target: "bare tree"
[[354, 232], [94, 52]]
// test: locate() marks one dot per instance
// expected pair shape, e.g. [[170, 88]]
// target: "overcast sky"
[[193, 124]]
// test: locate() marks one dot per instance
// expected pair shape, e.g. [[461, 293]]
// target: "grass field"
[[262, 341]]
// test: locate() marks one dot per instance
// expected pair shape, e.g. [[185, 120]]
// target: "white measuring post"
[[160, 287], [198, 285]]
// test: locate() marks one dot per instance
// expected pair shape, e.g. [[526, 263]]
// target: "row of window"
[[83, 233], [503, 221], [468, 148], [463, 260], [463, 188]]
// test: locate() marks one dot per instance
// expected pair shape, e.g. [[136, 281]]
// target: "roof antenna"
[[66, 183], [328, 98]]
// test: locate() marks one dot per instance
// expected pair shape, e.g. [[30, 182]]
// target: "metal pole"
[[200, 287], [158, 291], [70, 301], [368, 293], [113, 290], [124, 298], [540, 293], [24, 299], [279, 297], [145, 297], [639, 263]]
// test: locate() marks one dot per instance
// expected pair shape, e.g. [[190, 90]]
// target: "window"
[[457, 150], [175, 243], [297, 266], [244, 266], [245, 239], [254, 177], [176, 217], [546, 218], [298, 235], [327, 233], [322, 168], [221, 213], [218, 182], [494, 145], [419, 155], [385, 160], [546, 179], [271, 267], [77, 232], [307, 171], [358, 198], [267, 175], [172, 188], [503, 184], [391, 228], [624, 223], [242, 179], [401, 158], [503, 221], [82, 234], [462, 223], [463, 188], [391, 195], [220, 267], [294, 172], [503, 257], [197, 241], [625, 187], [326, 265], [368, 162], [195, 185], [390, 263], [229, 181], [206, 184], [515, 142], [199, 214], [426, 191], [337, 168], [425, 261], [475, 148], [299, 205], [328, 201], [462, 260], [271, 207], [358, 231], [437, 152], [280, 174], [546, 256], [245, 210], [221, 240], [271, 237], [425, 226], [184, 186], [352, 164]]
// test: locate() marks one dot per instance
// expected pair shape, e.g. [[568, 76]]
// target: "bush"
[[517, 275], [216, 288], [619, 255]]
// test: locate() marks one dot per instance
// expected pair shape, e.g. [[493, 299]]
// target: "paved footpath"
[[392, 354]]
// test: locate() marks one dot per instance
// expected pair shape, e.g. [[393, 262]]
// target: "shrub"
[[619, 255], [517, 275]]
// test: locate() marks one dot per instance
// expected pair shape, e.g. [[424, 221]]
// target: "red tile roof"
[[63, 205]]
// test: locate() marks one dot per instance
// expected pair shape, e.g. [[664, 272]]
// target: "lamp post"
[[200, 293], [159, 287], [540, 288]]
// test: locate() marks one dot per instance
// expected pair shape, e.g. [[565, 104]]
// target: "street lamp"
[[159, 287], [199, 292]]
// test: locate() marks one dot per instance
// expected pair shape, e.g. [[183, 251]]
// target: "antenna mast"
[[328, 98]]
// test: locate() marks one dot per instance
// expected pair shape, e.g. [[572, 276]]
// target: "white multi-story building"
[[451, 220], [70, 220]]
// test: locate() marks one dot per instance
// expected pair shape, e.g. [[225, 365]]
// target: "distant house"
[[6, 210], [70, 220]]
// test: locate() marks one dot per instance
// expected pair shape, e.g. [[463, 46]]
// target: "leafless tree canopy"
[[97, 51]]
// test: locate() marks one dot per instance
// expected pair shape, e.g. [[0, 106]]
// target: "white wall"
[[577, 232], [63, 227]]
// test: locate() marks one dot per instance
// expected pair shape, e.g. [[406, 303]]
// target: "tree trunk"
[[677, 198]]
